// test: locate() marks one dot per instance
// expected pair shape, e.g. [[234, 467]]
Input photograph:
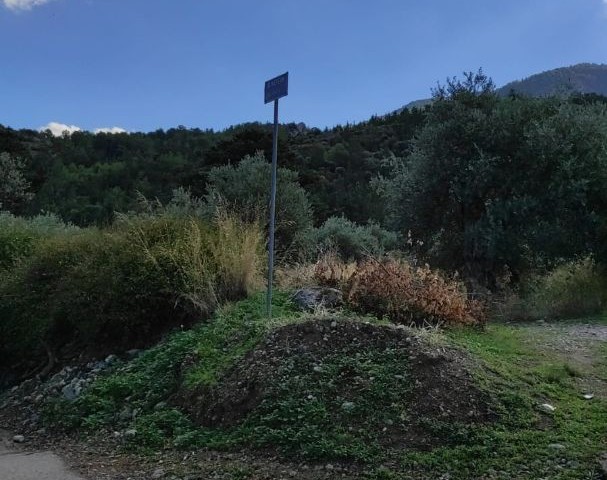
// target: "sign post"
[[275, 88]]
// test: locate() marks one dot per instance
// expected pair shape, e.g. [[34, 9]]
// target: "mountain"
[[580, 78]]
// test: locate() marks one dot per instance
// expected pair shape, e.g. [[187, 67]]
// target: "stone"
[[347, 406], [71, 391], [18, 439], [110, 359], [547, 408], [603, 464], [557, 446], [158, 473], [318, 297]]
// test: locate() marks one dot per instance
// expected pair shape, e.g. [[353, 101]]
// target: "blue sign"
[[276, 88]]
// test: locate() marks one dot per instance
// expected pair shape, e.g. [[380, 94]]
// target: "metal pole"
[[272, 210]]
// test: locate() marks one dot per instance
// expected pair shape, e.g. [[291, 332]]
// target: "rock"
[[318, 297], [125, 414], [557, 446], [18, 439], [158, 473], [588, 396], [347, 406], [603, 464], [131, 432], [111, 359], [546, 408], [71, 391]]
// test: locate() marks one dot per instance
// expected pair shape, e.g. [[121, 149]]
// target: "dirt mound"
[[428, 383]]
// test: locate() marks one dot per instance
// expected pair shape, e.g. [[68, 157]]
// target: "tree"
[[493, 183], [245, 189], [13, 185]]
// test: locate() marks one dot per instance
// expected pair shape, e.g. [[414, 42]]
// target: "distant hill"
[[580, 78]]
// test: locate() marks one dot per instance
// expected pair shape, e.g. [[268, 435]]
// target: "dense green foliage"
[[476, 182], [243, 190], [123, 286], [502, 185], [13, 185], [18, 235]]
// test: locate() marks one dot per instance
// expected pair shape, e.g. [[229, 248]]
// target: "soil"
[[442, 387], [443, 375]]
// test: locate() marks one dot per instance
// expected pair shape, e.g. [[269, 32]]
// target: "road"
[[17, 464]]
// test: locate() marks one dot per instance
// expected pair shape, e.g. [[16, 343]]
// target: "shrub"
[[332, 271], [411, 295], [573, 289], [122, 287], [18, 236], [244, 190], [349, 240]]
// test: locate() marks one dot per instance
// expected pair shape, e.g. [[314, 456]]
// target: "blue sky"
[[147, 64]]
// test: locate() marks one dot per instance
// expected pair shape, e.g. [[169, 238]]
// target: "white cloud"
[[109, 130], [57, 129], [23, 4]]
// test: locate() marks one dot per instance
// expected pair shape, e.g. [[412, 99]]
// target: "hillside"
[[581, 78], [585, 78]]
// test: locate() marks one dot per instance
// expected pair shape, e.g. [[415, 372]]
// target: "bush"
[[18, 236], [331, 271], [244, 189], [411, 295], [573, 289], [349, 240], [122, 287]]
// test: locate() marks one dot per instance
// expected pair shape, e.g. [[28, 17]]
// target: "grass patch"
[[307, 413], [525, 443]]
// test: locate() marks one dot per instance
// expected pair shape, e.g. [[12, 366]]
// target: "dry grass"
[[411, 295], [203, 265], [331, 271], [237, 251], [291, 277]]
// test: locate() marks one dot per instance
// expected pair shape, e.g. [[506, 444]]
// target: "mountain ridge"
[[582, 78]]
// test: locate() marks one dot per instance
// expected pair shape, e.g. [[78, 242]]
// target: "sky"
[[140, 65]]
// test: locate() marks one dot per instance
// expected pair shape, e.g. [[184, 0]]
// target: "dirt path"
[[16, 464]]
